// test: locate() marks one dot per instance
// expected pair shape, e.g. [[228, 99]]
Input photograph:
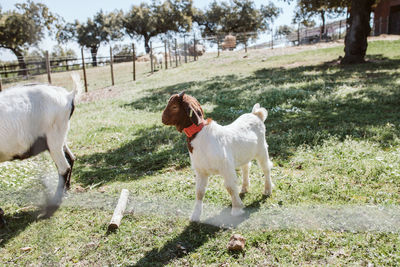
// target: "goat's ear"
[[181, 94], [193, 111]]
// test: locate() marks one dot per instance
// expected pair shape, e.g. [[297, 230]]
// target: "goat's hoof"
[[244, 190], [237, 212], [267, 193]]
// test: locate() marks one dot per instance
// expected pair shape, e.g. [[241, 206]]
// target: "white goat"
[[216, 149], [35, 118], [158, 59]]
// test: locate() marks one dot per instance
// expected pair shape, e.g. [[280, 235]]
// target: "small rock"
[[25, 249], [102, 189], [91, 245], [236, 243], [79, 189]]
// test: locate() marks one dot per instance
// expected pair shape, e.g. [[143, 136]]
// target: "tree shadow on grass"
[[16, 224], [195, 235], [306, 104], [151, 149]]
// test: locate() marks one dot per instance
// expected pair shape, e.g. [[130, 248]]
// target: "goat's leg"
[[201, 185], [56, 149], [266, 165], [230, 178], [246, 182], [70, 158]]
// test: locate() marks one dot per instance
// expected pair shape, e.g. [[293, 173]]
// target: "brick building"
[[387, 17]]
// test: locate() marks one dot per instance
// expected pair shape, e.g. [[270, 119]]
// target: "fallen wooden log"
[[119, 210]]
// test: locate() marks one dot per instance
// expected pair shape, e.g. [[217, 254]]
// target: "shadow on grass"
[[195, 235], [151, 149], [16, 224], [306, 104]]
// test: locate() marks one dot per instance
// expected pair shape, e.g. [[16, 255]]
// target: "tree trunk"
[[21, 62], [356, 37], [93, 51], [147, 44], [322, 12]]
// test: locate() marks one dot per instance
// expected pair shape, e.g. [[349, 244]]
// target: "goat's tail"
[[76, 92], [78, 88], [260, 112]]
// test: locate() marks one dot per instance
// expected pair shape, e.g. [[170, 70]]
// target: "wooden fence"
[[174, 54], [171, 51]]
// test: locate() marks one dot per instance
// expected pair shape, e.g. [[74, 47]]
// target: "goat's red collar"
[[193, 129]]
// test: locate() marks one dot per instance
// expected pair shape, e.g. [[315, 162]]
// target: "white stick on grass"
[[119, 210]]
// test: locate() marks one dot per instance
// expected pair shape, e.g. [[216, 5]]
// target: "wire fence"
[[126, 66], [122, 67]]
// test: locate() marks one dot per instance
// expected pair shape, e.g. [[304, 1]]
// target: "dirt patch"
[[99, 94], [384, 37]]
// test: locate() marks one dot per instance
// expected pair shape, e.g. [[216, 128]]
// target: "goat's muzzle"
[[164, 119]]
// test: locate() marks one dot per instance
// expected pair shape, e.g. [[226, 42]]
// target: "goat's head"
[[182, 111]]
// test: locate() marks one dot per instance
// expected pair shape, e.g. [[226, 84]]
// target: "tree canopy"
[[360, 13], [103, 28], [149, 20], [24, 27], [237, 17]]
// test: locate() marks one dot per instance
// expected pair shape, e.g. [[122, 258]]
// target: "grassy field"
[[333, 135]]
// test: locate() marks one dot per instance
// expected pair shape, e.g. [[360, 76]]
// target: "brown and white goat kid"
[[216, 149]]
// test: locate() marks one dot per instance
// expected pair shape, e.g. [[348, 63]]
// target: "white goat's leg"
[[230, 179], [55, 141], [201, 185], [71, 159], [246, 183], [266, 165]]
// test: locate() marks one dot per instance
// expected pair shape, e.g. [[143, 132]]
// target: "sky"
[[71, 10]]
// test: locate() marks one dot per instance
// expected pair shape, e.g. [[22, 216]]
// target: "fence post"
[[217, 46], [84, 70], [194, 47], [169, 54], [134, 62], [5, 70], [298, 35], [176, 55], [48, 67], [184, 48], [179, 55], [111, 66], [245, 42], [165, 54], [1, 86], [151, 57], [272, 38]]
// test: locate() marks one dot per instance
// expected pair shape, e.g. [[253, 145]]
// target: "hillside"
[[333, 135]]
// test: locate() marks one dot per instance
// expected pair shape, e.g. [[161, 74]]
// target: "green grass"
[[333, 134]]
